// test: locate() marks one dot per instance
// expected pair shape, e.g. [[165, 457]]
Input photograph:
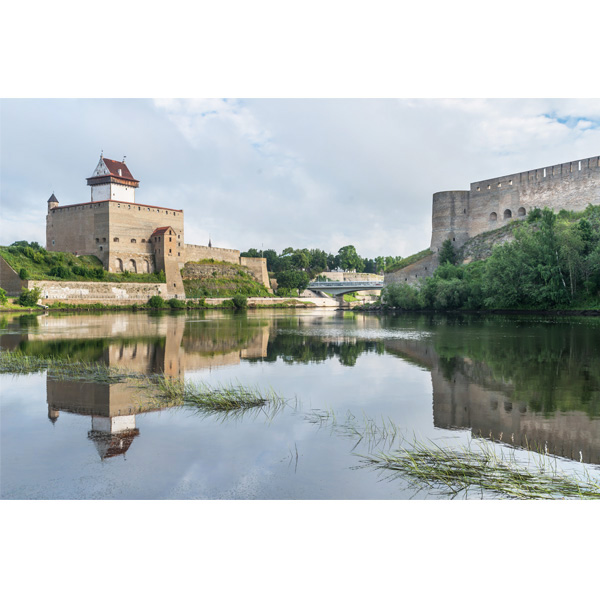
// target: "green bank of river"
[[354, 385]]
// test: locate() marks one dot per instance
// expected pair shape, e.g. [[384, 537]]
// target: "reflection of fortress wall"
[[467, 396]]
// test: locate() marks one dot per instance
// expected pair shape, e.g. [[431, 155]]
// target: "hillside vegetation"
[[33, 262], [553, 262], [215, 279]]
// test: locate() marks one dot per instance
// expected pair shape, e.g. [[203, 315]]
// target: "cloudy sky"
[[276, 173]]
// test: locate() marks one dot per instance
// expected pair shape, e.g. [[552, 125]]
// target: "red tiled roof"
[[114, 165], [161, 230]]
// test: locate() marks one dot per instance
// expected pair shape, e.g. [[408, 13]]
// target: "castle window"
[[97, 240], [544, 172], [489, 187], [143, 241], [118, 205], [507, 214], [179, 254], [493, 216], [100, 248], [521, 212], [499, 184], [579, 165], [133, 240], [510, 182], [53, 242], [103, 239], [115, 239], [170, 240], [478, 189]]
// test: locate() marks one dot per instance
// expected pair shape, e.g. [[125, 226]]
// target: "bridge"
[[338, 288]]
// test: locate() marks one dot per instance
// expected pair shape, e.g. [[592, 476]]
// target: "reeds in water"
[[460, 470]]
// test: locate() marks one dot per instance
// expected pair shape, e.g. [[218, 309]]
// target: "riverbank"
[[585, 312], [191, 304]]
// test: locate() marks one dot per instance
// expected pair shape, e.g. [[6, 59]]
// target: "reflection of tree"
[[293, 348], [550, 366]]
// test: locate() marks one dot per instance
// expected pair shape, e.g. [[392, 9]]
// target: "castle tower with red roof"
[[112, 180]]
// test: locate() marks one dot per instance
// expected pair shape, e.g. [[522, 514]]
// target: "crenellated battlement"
[[493, 203]]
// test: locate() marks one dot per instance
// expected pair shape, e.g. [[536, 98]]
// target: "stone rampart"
[[194, 253], [492, 203], [10, 281], [105, 292], [258, 268], [413, 274]]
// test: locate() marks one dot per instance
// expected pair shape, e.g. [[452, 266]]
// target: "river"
[[514, 382]]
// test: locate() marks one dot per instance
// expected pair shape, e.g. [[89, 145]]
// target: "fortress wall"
[[10, 281], [196, 253], [130, 224], [450, 218], [75, 229], [569, 186], [414, 273], [90, 292], [93, 227], [258, 268]]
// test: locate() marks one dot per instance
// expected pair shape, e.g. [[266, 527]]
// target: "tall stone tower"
[[112, 180]]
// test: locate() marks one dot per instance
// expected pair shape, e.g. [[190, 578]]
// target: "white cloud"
[[277, 173]]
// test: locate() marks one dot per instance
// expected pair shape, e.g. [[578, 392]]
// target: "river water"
[[514, 382]]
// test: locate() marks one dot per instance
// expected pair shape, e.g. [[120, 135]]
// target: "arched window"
[[118, 265], [146, 267], [522, 212], [131, 266], [115, 239], [133, 241], [493, 216], [507, 214]]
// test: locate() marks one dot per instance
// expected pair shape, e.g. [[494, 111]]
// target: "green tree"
[[156, 302], [30, 297], [3, 297], [447, 253], [349, 260]]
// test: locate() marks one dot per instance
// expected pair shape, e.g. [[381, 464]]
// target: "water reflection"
[[527, 382]]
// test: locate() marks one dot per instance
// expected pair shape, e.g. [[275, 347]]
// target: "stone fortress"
[[490, 204], [128, 236]]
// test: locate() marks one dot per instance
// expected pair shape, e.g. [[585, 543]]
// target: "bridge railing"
[[343, 284]]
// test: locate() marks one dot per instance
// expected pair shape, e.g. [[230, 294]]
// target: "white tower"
[[112, 180]]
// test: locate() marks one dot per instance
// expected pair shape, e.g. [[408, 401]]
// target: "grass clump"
[[456, 470], [207, 398]]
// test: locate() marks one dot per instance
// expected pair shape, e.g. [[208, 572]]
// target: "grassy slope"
[[214, 284], [39, 268], [409, 260]]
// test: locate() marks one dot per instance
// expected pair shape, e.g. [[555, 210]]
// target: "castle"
[[490, 204], [128, 236]]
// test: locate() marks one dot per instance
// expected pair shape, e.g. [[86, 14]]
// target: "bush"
[[156, 302], [30, 297], [175, 303], [240, 301], [24, 273], [61, 272], [3, 298]]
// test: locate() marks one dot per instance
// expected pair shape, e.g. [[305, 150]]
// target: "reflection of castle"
[[171, 345], [467, 396]]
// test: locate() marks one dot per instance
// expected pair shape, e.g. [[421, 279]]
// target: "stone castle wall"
[[105, 292], [492, 203], [195, 253], [118, 233], [10, 281]]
